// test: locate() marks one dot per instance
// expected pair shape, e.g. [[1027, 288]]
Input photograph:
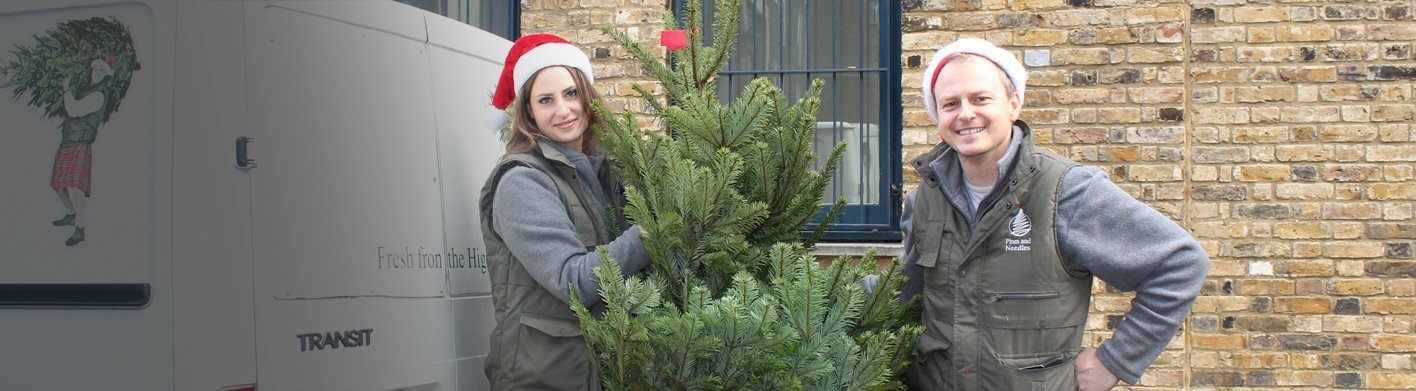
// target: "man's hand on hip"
[[1091, 374]]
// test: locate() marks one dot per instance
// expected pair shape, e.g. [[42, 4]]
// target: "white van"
[[286, 198]]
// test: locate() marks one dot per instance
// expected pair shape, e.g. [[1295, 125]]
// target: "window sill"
[[836, 249]]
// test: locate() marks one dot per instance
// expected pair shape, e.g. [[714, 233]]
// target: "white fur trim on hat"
[[1005, 60], [549, 55]]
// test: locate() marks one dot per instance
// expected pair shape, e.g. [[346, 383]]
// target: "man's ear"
[[1015, 102]]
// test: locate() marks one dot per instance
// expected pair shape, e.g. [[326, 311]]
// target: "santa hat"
[[1005, 60], [530, 54]]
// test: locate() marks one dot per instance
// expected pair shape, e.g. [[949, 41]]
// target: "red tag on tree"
[[673, 39]]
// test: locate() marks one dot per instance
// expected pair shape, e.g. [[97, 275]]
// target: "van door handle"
[[242, 162]]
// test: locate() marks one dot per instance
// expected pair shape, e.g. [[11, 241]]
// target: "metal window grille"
[[853, 45], [500, 17]]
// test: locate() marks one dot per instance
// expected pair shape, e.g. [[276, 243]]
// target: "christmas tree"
[[733, 299], [62, 55]]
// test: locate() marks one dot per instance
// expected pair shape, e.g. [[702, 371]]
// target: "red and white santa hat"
[[1017, 75], [533, 53]]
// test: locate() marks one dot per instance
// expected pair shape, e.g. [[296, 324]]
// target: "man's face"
[[97, 72], [975, 110]]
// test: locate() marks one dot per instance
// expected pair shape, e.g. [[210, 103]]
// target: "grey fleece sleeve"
[[914, 275], [532, 220], [1133, 248]]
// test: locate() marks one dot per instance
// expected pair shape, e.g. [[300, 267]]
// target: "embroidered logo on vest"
[[1021, 225], [1018, 227]]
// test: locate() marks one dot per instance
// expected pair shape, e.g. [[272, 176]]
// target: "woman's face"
[[556, 107]]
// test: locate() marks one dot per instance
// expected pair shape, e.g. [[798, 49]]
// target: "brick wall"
[[1278, 132]]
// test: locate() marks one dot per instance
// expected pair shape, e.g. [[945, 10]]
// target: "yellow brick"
[[1303, 191], [1259, 14], [1040, 37], [1140, 55], [1260, 360], [1392, 32], [1089, 56], [1390, 381], [1349, 133], [1254, 287], [1115, 35], [1152, 173], [1262, 35], [1208, 35], [1302, 305], [1391, 153], [963, 21], [1392, 191], [1310, 115], [1156, 95], [1389, 305], [1265, 134], [1356, 287], [1081, 96], [1221, 115], [1264, 94], [1352, 324], [1350, 268], [1023, 5], [1343, 92], [1352, 211], [1391, 113], [1304, 33], [1119, 115], [1304, 378], [1153, 15], [1304, 268], [1308, 74], [1389, 343], [1307, 249], [1224, 342], [1264, 54], [1218, 75], [1402, 287], [1303, 153], [1399, 324], [1265, 172], [1354, 249], [1301, 230]]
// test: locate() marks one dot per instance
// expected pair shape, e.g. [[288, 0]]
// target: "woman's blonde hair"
[[523, 127]]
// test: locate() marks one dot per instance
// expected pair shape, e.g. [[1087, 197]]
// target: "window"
[[500, 17], [854, 46]]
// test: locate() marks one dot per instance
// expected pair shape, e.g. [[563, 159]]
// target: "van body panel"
[[348, 258]]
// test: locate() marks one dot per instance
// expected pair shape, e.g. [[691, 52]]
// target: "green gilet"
[[537, 342], [1002, 308]]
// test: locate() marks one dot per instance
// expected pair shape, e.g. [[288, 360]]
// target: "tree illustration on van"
[[79, 73]]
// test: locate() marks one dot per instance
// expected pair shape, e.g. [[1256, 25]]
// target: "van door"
[[85, 276], [465, 62], [350, 263]]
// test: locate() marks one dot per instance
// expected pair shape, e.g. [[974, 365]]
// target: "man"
[[1002, 239], [84, 111]]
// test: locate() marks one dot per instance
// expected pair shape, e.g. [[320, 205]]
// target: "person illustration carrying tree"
[[78, 72]]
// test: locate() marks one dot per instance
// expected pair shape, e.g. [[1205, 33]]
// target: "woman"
[[544, 211]]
